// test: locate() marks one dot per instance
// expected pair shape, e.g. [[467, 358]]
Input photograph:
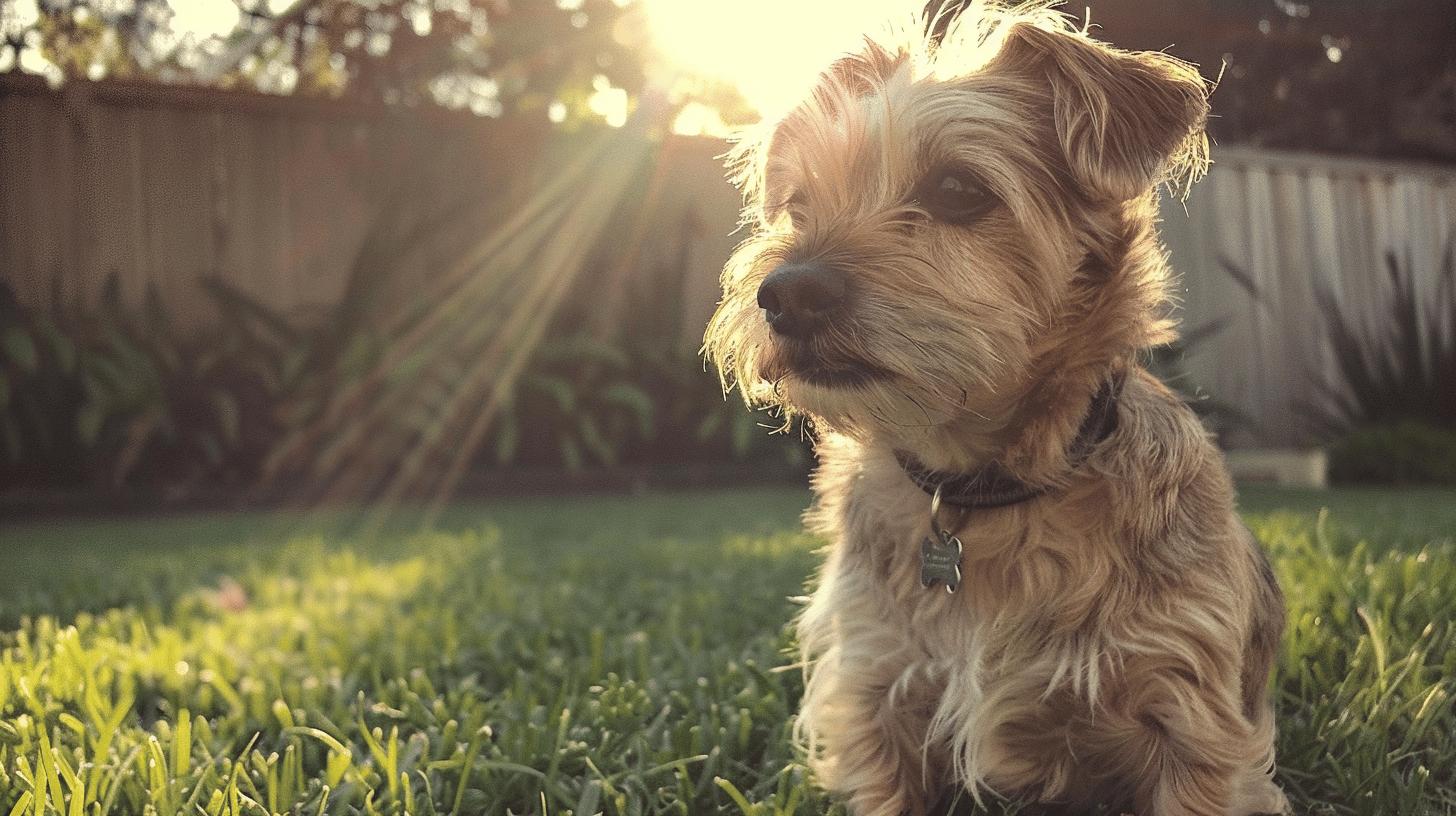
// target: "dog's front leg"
[[867, 708], [1206, 758], [870, 743]]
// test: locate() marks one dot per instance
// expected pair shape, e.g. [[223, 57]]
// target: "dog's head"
[[942, 224]]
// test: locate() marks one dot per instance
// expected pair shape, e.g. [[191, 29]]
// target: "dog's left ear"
[[1125, 120]]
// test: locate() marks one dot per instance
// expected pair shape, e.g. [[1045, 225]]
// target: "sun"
[[770, 50]]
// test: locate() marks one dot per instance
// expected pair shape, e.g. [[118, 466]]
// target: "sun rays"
[[409, 428]]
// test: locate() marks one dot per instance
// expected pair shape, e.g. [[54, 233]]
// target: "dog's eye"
[[955, 197], [793, 206], [795, 209]]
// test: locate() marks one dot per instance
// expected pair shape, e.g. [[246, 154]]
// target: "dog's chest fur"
[[1000, 671], [1011, 555]]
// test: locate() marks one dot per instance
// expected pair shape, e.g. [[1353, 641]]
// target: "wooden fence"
[[1263, 235], [163, 186], [284, 198], [159, 187]]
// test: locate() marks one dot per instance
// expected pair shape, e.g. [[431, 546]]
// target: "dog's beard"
[[873, 378]]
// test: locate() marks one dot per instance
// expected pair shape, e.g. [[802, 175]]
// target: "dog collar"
[[992, 485]]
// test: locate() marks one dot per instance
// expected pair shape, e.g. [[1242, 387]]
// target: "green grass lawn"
[[584, 655]]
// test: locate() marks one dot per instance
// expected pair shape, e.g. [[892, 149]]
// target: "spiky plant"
[[1402, 367]]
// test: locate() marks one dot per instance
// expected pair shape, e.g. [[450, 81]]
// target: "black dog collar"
[[993, 486]]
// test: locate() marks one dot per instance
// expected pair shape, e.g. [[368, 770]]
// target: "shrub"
[[1389, 415], [577, 403], [40, 394], [111, 396], [1404, 453], [1401, 367]]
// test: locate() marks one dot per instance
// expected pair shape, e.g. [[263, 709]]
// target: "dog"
[[952, 272]]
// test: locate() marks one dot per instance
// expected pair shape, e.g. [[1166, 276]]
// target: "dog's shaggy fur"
[[1112, 639]]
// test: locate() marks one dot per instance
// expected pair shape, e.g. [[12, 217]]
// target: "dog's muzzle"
[[797, 299]]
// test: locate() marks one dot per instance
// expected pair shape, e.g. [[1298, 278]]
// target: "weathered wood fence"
[[280, 197], [1263, 235], [160, 187]]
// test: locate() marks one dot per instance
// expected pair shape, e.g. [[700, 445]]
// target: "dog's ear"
[[1125, 120], [761, 160]]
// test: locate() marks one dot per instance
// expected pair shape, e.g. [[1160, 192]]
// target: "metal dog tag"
[[940, 561], [940, 553]]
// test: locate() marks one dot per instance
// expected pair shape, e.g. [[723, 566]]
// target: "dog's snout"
[[797, 298]]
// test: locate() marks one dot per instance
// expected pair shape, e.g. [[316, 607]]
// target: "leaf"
[[745, 431], [238, 306], [229, 416], [570, 452], [1203, 331], [1399, 366], [139, 432], [507, 439], [63, 349], [292, 366], [158, 321], [636, 401], [559, 390], [1240, 276], [20, 348], [582, 348], [10, 433], [595, 441], [591, 795], [322, 736], [89, 421], [709, 427], [211, 447], [737, 796]]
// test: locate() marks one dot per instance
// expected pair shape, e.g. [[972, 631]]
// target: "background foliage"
[[1390, 412]]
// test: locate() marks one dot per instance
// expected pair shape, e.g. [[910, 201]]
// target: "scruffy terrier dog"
[[952, 271]]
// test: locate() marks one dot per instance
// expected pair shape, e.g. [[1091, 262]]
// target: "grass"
[[616, 655]]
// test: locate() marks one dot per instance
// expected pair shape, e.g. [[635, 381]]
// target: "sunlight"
[[202, 19], [770, 50], [205, 18]]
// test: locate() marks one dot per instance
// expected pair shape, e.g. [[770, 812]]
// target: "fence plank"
[[1295, 223]]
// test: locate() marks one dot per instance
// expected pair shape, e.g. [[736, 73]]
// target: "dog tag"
[[940, 553], [940, 561]]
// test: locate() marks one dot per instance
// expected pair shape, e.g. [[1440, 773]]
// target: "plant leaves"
[[635, 401], [20, 349], [229, 417], [89, 421], [595, 441], [507, 439]]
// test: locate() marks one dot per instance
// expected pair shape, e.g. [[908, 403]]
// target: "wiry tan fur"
[[1112, 640]]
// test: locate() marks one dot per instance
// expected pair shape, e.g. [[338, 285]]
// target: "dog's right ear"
[[1125, 120], [762, 165]]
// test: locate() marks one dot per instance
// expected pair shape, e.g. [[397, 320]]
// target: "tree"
[[492, 56], [1351, 76]]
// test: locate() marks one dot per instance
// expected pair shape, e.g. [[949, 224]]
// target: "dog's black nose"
[[798, 298]]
